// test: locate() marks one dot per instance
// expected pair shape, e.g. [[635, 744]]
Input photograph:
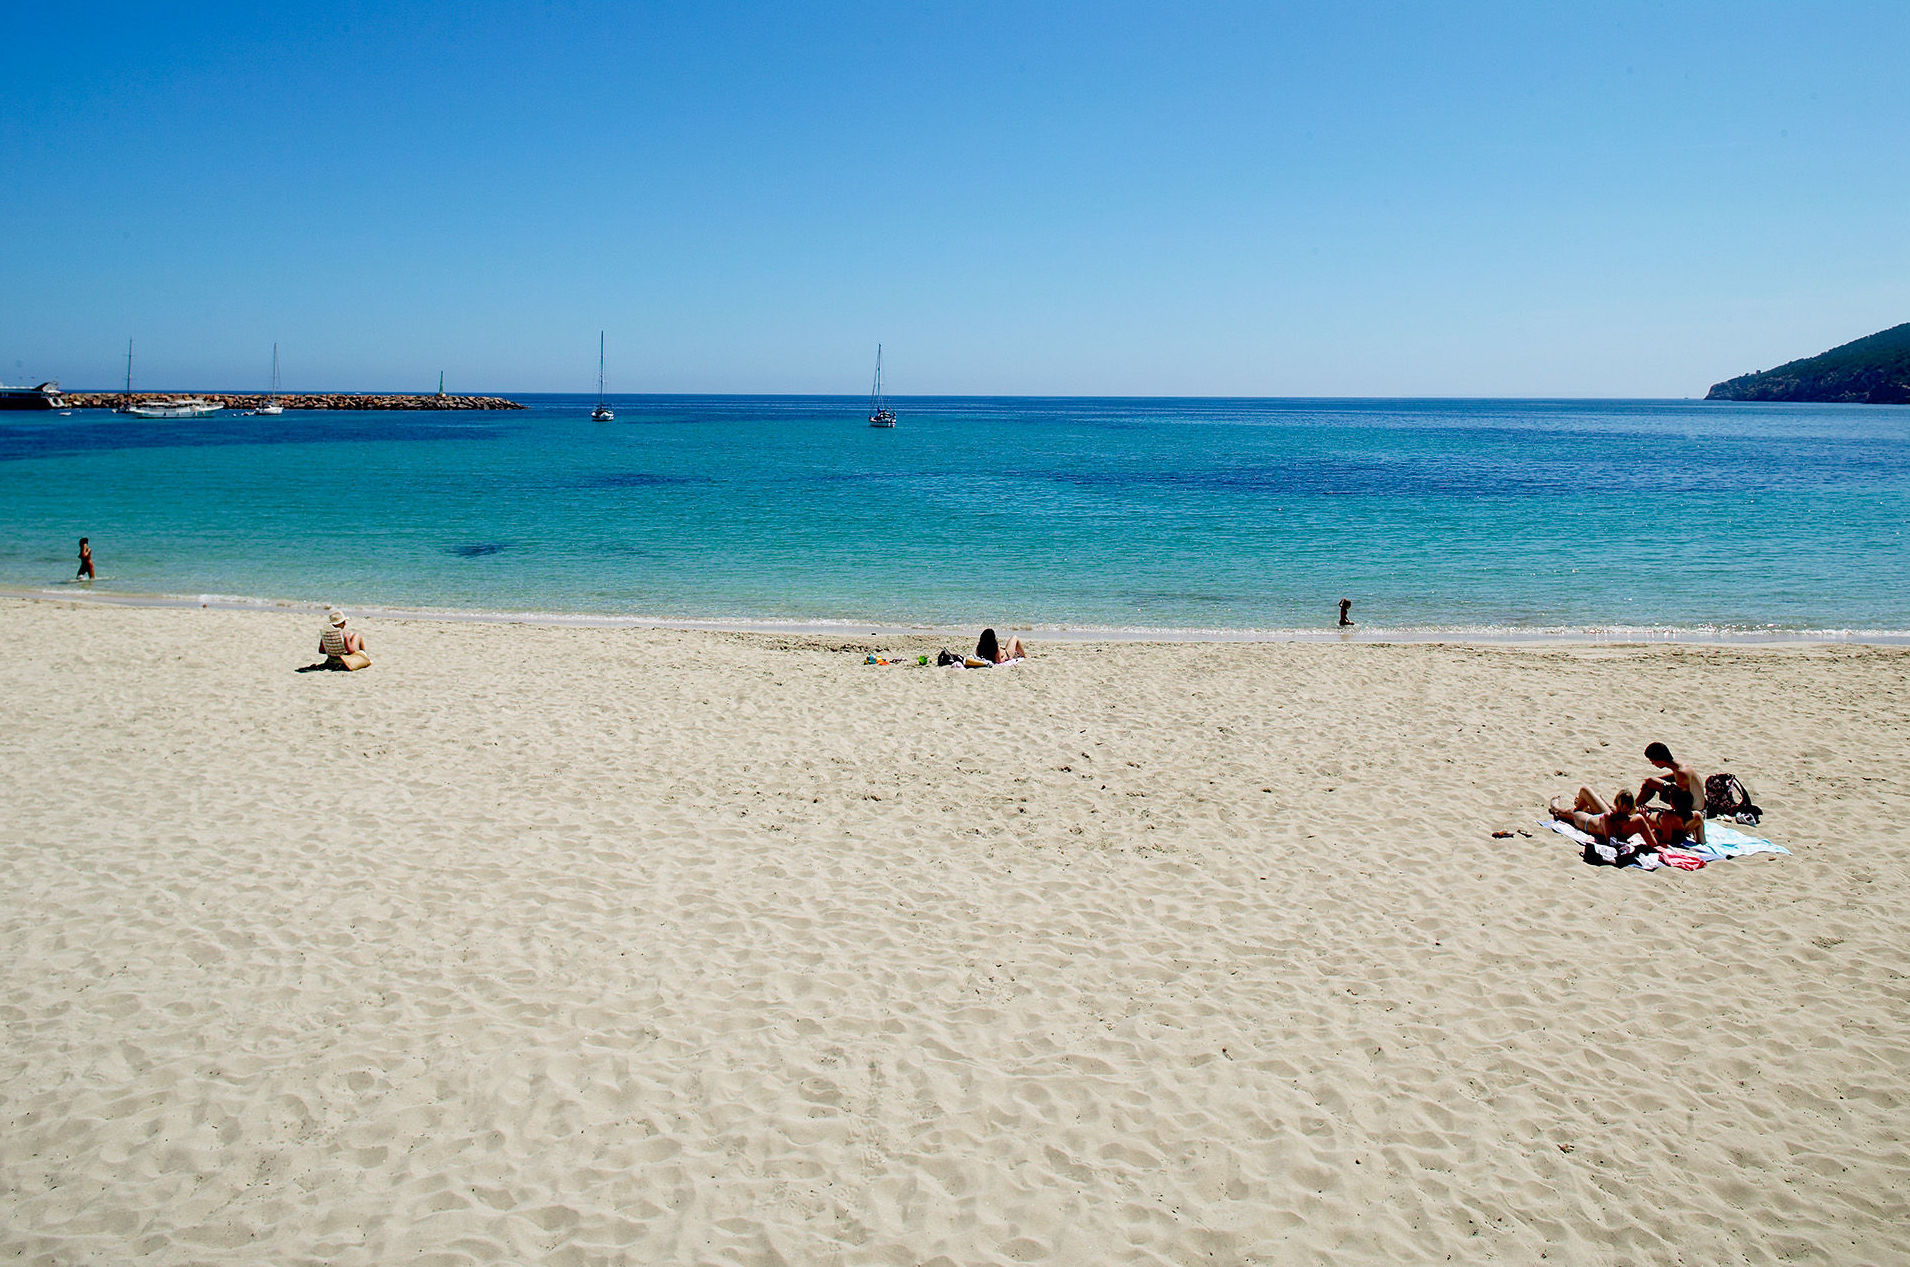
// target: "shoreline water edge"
[[1376, 635]]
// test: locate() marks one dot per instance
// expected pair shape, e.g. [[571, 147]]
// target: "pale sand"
[[587, 945]]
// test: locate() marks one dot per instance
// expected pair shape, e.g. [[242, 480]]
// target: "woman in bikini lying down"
[[992, 650], [1616, 823]]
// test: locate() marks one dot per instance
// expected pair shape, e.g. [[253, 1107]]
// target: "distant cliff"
[[1874, 370], [293, 400]]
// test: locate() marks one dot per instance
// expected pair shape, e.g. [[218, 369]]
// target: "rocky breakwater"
[[307, 400]]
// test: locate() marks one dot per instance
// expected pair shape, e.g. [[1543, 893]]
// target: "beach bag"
[[945, 657], [1602, 852], [1599, 853], [1725, 796]]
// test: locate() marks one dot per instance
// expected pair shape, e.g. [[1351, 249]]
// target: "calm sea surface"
[[1486, 516]]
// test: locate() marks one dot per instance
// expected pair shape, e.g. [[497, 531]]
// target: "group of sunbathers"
[[1679, 820]]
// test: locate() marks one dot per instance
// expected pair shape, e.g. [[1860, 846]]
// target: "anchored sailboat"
[[126, 399], [162, 407], [603, 412], [174, 407], [880, 415], [271, 405]]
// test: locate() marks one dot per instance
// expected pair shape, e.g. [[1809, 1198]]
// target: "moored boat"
[[880, 415], [45, 396], [271, 403], [174, 407], [603, 412], [162, 406]]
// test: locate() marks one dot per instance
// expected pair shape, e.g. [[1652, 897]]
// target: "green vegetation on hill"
[[1873, 370]]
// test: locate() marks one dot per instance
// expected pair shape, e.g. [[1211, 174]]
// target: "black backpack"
[[1725, 796]]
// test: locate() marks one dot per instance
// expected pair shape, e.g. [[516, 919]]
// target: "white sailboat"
[[126, 398], [880, 415], [271, 405], [174, 407], [603, 412], [162, 407]]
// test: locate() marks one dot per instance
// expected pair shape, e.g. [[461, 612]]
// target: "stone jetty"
[[294, 400]]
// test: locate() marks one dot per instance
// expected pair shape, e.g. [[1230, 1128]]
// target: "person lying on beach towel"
[[1616, 824], [1720, 842], [989, 649]]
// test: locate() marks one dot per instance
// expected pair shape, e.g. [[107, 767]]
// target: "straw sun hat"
[[335, 616]]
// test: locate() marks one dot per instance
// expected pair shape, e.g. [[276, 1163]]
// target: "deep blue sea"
[[1482, 516]]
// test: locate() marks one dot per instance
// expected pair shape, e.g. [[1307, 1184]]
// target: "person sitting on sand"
[[1678, 776], [991, 650], [1682, 824], [342, 648], [1617, 823]]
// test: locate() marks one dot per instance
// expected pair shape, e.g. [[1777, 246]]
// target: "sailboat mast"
[[129, 371], [600, 368], [275, 370], [880, 415]]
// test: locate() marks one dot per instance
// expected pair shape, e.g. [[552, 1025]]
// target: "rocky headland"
[[306, 400], [1873, 370]]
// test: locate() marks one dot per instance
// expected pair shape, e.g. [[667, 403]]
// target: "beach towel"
[[1720, 842], [1570, 832], [1599, 849]]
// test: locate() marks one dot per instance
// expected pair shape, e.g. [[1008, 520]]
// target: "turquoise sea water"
[[1095, 513]]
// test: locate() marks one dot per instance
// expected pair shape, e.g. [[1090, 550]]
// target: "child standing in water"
[[86, 561]]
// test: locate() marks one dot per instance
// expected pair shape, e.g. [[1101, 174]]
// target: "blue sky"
[[1194, 199]]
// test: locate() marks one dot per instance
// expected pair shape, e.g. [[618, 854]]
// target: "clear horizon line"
[[852, 395]]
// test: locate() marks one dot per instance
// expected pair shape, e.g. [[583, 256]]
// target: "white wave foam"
[[846, 627]]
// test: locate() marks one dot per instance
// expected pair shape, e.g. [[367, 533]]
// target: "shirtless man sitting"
[[1676, 775]]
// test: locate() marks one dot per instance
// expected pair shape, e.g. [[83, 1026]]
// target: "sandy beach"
[[584, 945]]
